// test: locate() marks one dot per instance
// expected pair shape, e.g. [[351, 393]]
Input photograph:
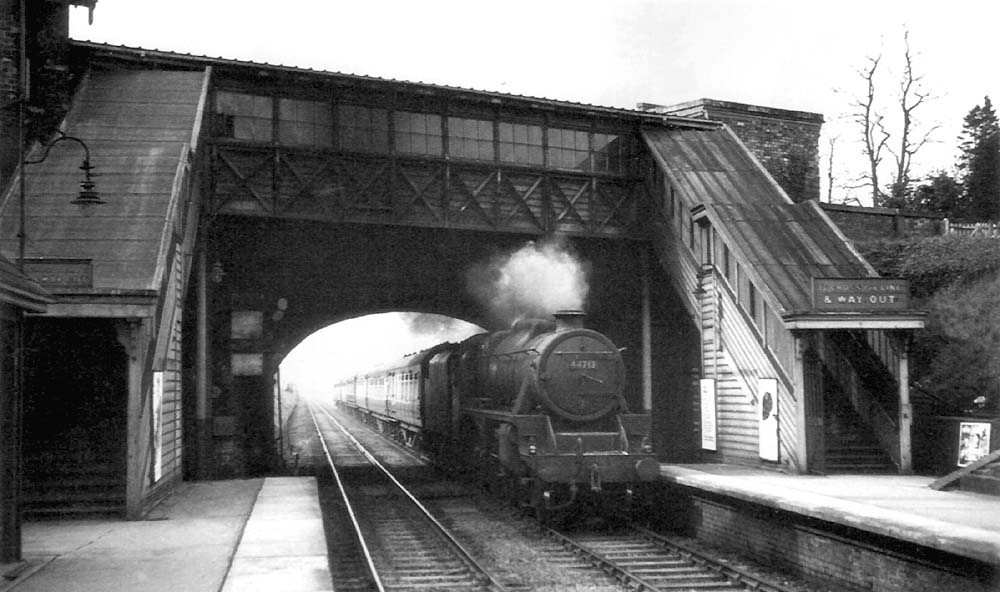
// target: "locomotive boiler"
[[538, 408]]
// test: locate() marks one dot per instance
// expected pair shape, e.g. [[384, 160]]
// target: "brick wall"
[[51, 76], [863, 224], [785, 142], [852, 561], [9, 43], [10, 60]]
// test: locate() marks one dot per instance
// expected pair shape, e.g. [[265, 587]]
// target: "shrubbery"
[[957, 280], [934, 263]]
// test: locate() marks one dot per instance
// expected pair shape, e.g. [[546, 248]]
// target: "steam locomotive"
[[538, 408]]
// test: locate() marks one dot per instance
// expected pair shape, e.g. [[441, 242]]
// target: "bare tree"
[[911, 96], [829, 168], [876, 134]]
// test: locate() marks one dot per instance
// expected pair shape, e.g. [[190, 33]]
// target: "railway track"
[[397, 543], [643, 560]]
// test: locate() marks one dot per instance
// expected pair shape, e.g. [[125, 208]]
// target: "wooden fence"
[[986, 229]]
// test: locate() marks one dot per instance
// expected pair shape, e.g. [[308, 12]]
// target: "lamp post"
[[86, 198], [12, 402]]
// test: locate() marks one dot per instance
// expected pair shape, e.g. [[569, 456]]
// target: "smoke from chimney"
[[537, 280]]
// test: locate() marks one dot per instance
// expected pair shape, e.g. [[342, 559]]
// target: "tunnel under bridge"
[[269, 283]]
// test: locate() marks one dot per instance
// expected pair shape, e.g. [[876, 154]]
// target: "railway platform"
[[902, 508], [229, 536]]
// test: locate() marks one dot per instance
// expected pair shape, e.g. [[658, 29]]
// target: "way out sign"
[[860, 295]]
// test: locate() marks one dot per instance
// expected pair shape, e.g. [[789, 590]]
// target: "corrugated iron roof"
[[782, 243], [135, 124]]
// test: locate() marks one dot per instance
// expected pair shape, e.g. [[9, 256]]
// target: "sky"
[[791, 54]]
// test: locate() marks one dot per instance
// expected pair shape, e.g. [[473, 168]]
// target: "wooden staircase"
[[850, 445], [60, 485]]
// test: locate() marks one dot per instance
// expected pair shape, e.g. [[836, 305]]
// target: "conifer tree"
[[979, 165]]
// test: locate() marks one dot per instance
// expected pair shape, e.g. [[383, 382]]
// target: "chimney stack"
[[569, 319]]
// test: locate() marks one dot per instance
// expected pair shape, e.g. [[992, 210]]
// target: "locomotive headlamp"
[[647, 446], [532, 448]]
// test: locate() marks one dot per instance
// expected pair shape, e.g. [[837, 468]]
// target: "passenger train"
[[538, 408]]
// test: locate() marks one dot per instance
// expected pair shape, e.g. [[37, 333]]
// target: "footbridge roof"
[[139, 127], [783, 245]]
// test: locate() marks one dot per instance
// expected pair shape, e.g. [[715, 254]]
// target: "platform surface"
[[205, 537], [900, 507]]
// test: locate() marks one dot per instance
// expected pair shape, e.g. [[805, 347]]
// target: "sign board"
[[860, 294], [767, 407], [157, 426], [60, 273], [246, 324], [247, 364], [973, 442], [708, 434]]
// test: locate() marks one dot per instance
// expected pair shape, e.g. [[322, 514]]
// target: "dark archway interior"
[[75, 413]]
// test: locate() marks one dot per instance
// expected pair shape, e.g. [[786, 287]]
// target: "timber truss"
[[430, 192]]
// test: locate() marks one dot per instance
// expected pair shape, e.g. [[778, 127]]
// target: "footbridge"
[[248, 205]]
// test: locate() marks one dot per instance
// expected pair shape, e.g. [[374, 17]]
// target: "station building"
[[231, 208]]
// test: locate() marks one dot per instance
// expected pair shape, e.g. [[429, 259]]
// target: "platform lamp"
[[10, 530], [85, 199]]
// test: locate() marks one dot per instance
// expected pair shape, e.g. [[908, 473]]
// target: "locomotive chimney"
[[569, 319]]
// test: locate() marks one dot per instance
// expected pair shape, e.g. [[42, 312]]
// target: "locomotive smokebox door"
[[584, 374]]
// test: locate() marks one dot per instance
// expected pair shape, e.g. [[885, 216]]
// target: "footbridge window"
[[243, 117], [521, 143], [470, 138], [469, 132], [418, 133], [586, 151], [611, 153], [569, 149], [307, 123]]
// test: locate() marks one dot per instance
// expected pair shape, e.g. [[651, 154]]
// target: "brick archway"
[[271, 282]]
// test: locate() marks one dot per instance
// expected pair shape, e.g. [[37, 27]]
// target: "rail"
[[643, 560], [443, 531], [365, 549]]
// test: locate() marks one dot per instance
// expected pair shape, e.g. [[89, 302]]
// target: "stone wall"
[[785, 142]]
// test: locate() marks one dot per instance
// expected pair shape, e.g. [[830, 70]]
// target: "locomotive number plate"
[[583, 365]]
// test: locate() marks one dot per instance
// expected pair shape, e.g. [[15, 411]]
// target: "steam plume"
[[535, 281]]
